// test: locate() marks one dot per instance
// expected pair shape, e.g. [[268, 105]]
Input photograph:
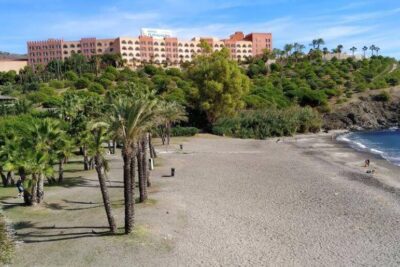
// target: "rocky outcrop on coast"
[[365, 114]]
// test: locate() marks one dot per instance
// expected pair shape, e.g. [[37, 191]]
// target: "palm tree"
[[37, 164], [339, 50], [313, 43], [353, 50], [372, 48], [319, 42], [365, 48], [377, 50], [288, 49], [133, 115], [98, 138], [64, 149], [44, 137], [171, 112]]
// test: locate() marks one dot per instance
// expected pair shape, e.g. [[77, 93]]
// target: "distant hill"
[[11, 56]]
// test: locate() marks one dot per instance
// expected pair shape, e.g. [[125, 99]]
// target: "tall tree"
[[353, 50], [220, 84], [365, 48], [99, 136], [133, 115]]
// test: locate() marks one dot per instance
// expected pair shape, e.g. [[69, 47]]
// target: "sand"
[[304, 201]]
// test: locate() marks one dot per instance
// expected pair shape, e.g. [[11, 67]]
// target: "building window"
[[136, 42], [155, 43], [99, 50], [130, 42], [191, 45], [124, 54], [123, 42], [130, 48], [72, 46], [65, 52], [123, 48]]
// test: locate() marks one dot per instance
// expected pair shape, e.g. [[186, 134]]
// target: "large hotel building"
[[156, 46]]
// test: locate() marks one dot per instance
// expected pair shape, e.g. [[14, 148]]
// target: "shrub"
[[82, 83], [184, 131], [105, 82], [89, 76], [261, 124], [382, 97], [96, 88], [70, 75], [56, 84]]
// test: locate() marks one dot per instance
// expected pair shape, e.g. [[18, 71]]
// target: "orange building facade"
[[142, 49]]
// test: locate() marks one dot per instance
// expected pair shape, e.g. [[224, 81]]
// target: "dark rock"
[[366, 115]]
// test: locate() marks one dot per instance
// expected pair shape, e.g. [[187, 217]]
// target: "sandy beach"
[[303, 201]]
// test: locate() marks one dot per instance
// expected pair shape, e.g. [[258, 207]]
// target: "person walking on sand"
[[20, 188]]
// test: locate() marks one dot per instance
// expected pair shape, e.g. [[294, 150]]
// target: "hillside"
[[213, 88], [11, 56]]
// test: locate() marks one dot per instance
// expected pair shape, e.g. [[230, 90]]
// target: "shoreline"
[[326, 147]]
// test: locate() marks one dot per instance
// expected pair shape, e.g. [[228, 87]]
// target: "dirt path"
[[232, 202]]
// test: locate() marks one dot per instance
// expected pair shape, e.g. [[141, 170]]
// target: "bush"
[[96, 88], [56, 84], [261, 124], [70, 75], [382, 97], [82, 83], [89, 76], [184, 131]]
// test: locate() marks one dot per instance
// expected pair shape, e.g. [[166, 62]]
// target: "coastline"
[[350, 161]]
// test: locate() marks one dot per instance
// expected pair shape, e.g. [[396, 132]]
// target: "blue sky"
[[343, 22]]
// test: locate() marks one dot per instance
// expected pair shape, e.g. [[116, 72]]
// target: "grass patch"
[[6, 244]]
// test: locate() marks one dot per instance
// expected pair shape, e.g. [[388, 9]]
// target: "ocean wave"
[[376, 151], [365, 144]]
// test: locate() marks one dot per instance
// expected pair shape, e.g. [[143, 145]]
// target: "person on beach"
[[367, 162], [20, 188]]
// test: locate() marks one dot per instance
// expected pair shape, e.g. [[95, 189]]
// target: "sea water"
[[385, 143]]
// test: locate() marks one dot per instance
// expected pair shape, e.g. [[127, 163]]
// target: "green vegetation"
[[261, 124], [6, 244], [184, 131], [77, 106]]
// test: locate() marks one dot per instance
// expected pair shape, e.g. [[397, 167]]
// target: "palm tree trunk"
[[10, 178], [153, 153], [61, 171], [141, 174], [85, 159], [40, 188], [104, 193], [3, 179], [145, 161], [31, 197], [110, 147], [22, 174], [114, 145], [128, 194]]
